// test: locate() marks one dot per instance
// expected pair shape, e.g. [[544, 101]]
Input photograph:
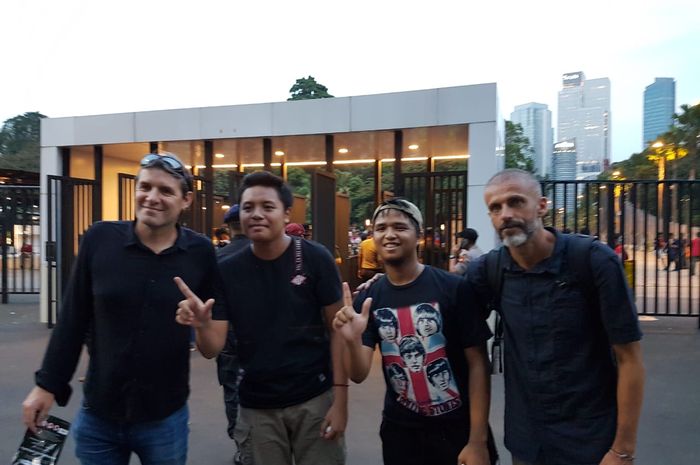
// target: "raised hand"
[[350, 324], [192, 311]]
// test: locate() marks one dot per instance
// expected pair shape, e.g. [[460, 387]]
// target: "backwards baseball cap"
[[401, 205], [469, 234], [233, 214]]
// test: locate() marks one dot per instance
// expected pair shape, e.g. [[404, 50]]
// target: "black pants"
[[426, 446]]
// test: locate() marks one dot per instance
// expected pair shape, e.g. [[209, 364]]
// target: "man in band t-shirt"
[[433, 351]]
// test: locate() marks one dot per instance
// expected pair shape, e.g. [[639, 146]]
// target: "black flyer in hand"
[[44, 446]]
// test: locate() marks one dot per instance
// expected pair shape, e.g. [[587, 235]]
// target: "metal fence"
[[19, 229], [650, 224], [442, 197]]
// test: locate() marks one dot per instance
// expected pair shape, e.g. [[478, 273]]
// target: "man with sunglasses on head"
[[120, 302]]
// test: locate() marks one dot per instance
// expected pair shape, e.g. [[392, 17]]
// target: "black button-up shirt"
[[121, 301], [560, 375]]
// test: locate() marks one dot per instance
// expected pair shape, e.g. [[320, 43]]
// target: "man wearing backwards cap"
[[425, 421]]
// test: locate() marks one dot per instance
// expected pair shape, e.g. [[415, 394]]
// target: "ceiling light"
[[343, 150], [413, 147], [279, 153], [219, 155]]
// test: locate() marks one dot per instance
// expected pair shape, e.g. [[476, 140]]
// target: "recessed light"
[[219, 155], [413, 147], [279, 153], [343, 150]]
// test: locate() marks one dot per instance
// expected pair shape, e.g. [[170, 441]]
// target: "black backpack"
[[578, 257]]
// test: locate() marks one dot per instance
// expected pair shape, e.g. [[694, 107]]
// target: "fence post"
[[4, 264]]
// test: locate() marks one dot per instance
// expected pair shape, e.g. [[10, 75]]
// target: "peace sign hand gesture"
[[192, 311], [349, 323]]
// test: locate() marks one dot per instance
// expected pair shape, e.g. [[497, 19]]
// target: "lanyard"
[[298, 279]]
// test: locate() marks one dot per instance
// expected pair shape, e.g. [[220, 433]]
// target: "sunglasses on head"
[[170, 162]]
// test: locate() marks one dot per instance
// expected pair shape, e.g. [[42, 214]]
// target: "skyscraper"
[[659, 104], [584, 116], [564, 169], [536, 121]]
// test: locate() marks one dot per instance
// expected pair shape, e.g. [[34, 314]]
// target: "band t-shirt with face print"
[[422, 329]]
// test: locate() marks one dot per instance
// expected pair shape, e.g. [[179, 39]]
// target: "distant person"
[[660, 250], [672, 251], [464, 251], [694, 253], [222, 237], [122, 293], [238, 240], [228, 366], [367, 259]]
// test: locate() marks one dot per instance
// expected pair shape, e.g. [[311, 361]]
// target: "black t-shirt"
[[277, 318], [422, 329]]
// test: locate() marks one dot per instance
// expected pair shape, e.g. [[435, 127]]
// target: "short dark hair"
[[435, 367], [395, 370], [267, 179], [411, 344], [385, 317]]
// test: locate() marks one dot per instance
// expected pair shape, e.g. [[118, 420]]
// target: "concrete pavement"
[[668, 432]]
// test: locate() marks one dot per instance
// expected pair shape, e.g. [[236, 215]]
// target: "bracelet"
[[340, 385], [623, 456], [452, 257]]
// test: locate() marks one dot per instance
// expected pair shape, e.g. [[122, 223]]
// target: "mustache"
[[513, 224]]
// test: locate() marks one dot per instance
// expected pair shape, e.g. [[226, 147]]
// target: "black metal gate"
[[442, 197], [72, 208], [19, 232], [650, 224], [127, 184]]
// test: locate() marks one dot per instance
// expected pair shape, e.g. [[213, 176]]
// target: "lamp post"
[[662, 175]]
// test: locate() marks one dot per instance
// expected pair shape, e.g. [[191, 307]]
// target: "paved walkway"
[[668, 431]]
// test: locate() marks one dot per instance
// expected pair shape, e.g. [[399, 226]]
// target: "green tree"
[[688, 125], [19, 142], [307, 88], [518, 150]]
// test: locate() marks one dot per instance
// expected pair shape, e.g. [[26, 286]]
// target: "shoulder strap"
[[494, 276], [578, 256]]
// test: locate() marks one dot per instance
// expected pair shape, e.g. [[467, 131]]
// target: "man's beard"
[[516, 240]]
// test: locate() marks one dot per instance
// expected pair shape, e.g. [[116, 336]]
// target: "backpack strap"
[[578, 256], [494, 276]]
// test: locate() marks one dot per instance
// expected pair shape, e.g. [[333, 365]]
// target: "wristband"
[[623, 456], [452, 257], [340, 385]]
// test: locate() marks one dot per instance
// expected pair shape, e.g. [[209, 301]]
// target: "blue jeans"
[[103, 442]]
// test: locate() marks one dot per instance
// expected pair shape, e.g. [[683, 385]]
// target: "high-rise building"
[[584, 117], [564, 168], [536, 121], [659, 105]]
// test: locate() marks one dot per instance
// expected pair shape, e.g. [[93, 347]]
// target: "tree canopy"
[[678, 147], [518, 150], [19, 142], [307, 88]]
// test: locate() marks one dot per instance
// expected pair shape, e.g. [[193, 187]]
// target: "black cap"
[[469, 234]]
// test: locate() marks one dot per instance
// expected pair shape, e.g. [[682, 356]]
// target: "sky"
[[84, 57]]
